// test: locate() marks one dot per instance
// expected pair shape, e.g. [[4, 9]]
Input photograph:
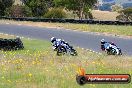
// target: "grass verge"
[[37, 66]]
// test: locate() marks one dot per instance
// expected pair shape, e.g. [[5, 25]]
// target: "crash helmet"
[[103, 41], [53, 39]]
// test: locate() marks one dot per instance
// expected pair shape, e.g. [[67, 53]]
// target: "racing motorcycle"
[[63, 49], [111, 51]]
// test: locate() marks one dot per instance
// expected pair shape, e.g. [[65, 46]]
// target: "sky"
[[120, 1]]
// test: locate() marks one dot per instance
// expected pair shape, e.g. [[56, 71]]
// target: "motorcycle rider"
[[102, 44], [109, 45], [56, 42]]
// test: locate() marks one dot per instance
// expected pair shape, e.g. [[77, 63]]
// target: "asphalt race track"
[[82, 39]]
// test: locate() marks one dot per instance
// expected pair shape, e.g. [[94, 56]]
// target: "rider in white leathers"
[[108, 45], [56, 42]]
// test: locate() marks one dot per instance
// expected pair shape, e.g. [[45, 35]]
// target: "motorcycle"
[[63, 49], [112, 51]]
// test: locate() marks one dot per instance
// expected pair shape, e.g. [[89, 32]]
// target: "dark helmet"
[[53, 39]]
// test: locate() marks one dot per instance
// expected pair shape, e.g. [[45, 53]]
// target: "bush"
[[38, 7], [4, 4], [126, 15], [116, 8], [55, 13], [127, 11], [18, 11], [11, 44]]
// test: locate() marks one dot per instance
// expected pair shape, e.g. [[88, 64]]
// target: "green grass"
[[37, 66], [111, 29], [36, 44]]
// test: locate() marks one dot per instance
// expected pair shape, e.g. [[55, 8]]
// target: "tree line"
[[47, 8], [56, 9]]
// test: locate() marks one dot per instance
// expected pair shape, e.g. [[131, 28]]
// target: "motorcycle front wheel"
[[73, 52], [61, 50]]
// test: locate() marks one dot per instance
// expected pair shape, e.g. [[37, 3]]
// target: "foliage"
[[4, 4], [18, 11], [125, 15], [116, 8], [38, 7], [127, 11], [48, 2], [55, 13], [77, 6]]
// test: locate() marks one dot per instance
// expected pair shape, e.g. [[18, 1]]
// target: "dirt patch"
[[105, 15]]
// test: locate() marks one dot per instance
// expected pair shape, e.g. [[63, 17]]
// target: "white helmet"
[[102, 41], [53, 39]]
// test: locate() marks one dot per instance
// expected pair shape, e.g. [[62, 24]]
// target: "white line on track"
[[68, 29], [11, 35], [22, 37], [17, 36], [19, 24], [6, 34], [75, 30], [7, 23], [91, 51]]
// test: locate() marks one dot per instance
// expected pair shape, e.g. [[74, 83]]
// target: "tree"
[[48, 2], [38, 7], [55, 13], [127, 11], [79, 7], [125, 15], [4, 4], [18, 11], [116, 8]]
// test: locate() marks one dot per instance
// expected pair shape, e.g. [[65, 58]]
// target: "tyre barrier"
[[83, 21], [11, 44]]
